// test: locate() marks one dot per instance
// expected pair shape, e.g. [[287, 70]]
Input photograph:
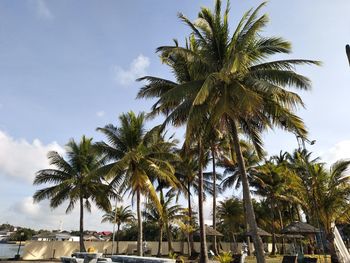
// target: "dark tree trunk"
[[273, 252], [139, 222], [81, 226], [118, 229], [215, 250], [258, 245], [168, 234], [190, 235], [247, 230], [160, 242], [188, 245], [281, 224], [203, 245]]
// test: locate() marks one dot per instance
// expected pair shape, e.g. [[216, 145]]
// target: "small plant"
[[178, 258], [224, 257]]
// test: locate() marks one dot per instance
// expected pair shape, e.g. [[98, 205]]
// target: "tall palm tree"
[[235, 85], [170, 212], [74, 180], [118, 216], [137, 157], [186, 170], [301, 161]]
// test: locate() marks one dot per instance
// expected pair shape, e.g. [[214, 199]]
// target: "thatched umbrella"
[[261, 233], [297, 227], [209, 231]]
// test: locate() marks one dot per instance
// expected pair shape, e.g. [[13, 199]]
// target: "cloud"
[[43, 10], [20, 159], [137, 68], [41, 216], [340, 150], [100, 113]]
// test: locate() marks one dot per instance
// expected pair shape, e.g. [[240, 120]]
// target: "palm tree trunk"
[[247, 230], [113, 238], [214, 199], [139, 222], [203, 245], [118, 229], [281, 224], [168, 234], [190, 235], [81, 225], [273, 252], [160, 242], [258, 245], [188, 244]]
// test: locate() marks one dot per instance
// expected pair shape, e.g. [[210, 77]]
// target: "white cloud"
[[27, 206], [41, 216], [339, 151], [43, 10], [100, 113], [137, 68], [21, 159]]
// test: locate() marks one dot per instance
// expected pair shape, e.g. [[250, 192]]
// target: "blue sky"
[[67, 67]]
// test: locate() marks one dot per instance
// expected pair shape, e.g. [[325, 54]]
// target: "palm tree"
[[169, 213], [300, 162], [186, 170], [275, 183], [216, 145], [331, 190], [234, 85], [231, 218], [119, 215], [187, 225], [74, 180], [137, 157]]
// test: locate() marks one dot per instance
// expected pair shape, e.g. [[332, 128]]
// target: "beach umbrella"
[[297, 227], [261, 233], [209, 231]]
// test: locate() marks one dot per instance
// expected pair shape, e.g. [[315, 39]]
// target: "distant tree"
[[7, 227], [168, 214], [28, 233], [74, 180], [119, 215]]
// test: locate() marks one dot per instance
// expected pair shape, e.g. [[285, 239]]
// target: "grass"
[[278, 259]]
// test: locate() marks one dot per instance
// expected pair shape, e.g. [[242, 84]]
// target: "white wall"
[[34, 250]]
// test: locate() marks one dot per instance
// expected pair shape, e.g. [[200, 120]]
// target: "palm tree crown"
[[74, 180], [136, 158]]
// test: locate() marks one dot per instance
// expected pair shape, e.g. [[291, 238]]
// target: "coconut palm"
[[300, 162], [118, 216], [169, 214], [74, 180], [137, 157], [231, 218], [187, 172], [331, 193], [276, 184], [235, 85], [187, 225]]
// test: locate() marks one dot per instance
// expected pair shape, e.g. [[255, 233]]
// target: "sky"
[[68, 67]]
